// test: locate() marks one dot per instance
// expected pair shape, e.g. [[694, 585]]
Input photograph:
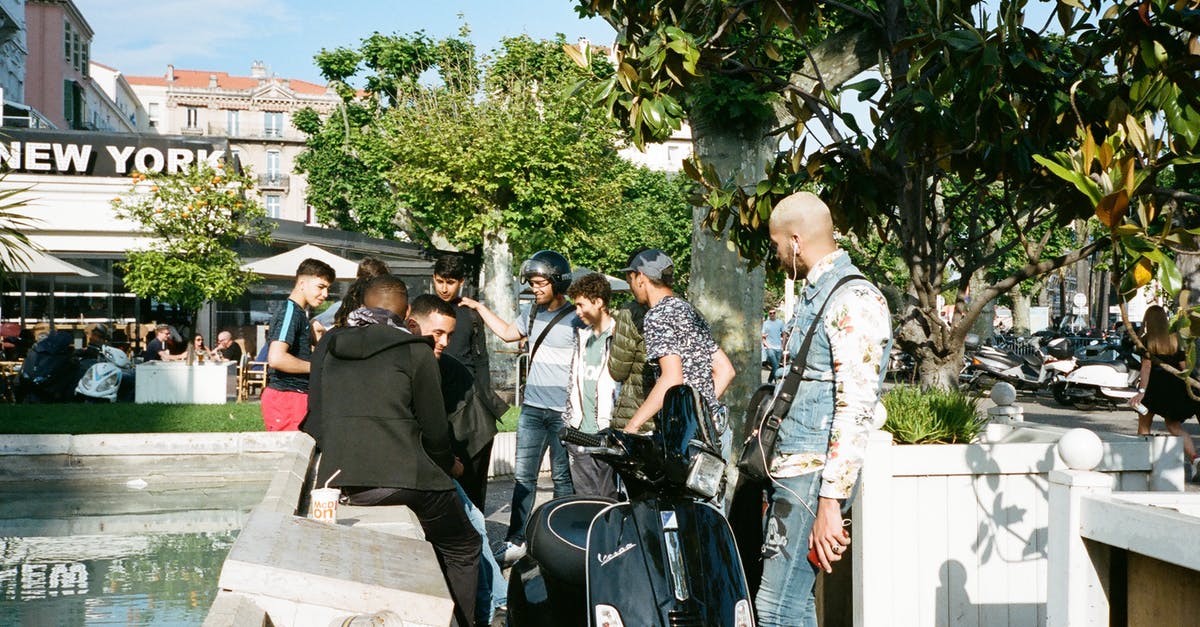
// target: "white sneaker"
[[509, 553], [1194, 466]]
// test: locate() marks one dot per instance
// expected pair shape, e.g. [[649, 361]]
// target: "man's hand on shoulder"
[[470, 303]]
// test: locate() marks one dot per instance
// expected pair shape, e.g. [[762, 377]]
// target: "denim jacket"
[[830, 418]]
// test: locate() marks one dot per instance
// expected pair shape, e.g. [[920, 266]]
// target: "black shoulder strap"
[[566, 309], [787, 390]]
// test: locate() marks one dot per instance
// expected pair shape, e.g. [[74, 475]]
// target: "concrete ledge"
[[35, 445], [285, 563], [232, 608]]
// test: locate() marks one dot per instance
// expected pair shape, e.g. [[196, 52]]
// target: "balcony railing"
[[274, 182]]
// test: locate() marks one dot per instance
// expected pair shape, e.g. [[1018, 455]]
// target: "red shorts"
[[283, 411]]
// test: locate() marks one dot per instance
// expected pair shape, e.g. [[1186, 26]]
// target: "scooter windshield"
[[681, 422]]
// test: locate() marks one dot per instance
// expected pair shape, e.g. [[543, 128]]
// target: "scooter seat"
[[1119, 366], [557, 536]]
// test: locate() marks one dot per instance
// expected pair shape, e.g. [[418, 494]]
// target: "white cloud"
[[143, 36]]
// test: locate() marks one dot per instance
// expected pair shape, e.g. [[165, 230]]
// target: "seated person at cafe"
[[156, 349], [226, 349]]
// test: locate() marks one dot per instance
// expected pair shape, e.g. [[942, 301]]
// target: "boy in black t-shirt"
[[285, 399]]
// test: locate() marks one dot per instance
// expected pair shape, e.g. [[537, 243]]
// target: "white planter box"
[[955, 535]]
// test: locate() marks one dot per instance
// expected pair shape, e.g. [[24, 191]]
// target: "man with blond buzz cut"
[[822, 439]]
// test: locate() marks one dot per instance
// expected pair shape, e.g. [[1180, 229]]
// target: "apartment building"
[[253, 112]]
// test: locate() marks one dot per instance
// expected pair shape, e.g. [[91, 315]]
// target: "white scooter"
[[1108, 377], [102, 381]]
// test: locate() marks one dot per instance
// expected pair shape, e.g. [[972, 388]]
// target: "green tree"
[[959, 105], [498, 156], [193, 220]]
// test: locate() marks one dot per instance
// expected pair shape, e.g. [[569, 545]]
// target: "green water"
[[151, 579], [101, 553]]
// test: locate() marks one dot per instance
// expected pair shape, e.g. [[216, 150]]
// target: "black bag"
[[50, 370], [759, 446]]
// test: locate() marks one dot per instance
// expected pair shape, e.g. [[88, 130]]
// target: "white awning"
[[284, 265], [35, 262]]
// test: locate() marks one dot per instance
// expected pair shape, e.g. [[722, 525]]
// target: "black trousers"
[[447, 528], [474, 477]]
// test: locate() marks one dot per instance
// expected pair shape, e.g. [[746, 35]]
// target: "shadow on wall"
[[954, 606]]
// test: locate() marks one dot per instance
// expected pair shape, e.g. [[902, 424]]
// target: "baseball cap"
[[652, 263]]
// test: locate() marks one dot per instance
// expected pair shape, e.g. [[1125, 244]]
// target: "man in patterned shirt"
[[679, 343], [823, 436]]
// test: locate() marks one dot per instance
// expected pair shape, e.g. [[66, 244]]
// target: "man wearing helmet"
[[549, 326]]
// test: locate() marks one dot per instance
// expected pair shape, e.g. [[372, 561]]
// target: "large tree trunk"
[[1020, 312], [496, 286], [722, 286]]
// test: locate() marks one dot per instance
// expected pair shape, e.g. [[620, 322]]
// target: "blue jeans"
[[493, 591], [785, 597], [537, 428], [774, 358]]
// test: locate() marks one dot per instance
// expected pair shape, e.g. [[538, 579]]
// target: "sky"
[[140, 37]]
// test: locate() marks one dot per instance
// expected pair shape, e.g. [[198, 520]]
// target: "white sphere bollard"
[[1080, 449], [1003, 393]]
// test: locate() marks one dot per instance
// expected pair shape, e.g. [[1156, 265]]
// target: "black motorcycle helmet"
[[551, 265]]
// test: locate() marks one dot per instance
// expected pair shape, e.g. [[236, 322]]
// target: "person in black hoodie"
[[376, 412]]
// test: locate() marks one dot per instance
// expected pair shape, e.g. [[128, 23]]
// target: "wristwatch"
[[1141, 390]]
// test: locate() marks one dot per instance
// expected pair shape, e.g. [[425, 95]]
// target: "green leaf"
[[1081, 182]]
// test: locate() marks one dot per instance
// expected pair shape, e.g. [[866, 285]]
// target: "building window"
[[152, 114], [273, 124], [75, 50], [274, 205], [273, 164], [67, 41], [193, 117], [233, 122]]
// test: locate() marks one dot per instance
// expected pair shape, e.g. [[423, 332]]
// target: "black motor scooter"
[[665, 558]]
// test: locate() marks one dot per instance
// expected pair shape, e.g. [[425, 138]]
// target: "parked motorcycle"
[[107, 377], [1031, 372], [664, 558], [1104, 375]]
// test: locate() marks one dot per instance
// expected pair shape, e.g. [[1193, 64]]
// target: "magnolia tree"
[[931, 125], [193, 221]]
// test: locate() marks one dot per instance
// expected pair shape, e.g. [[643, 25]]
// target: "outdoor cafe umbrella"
[[283, 265], [30, 262]]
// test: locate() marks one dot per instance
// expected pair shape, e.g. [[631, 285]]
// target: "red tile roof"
[[199, 79]]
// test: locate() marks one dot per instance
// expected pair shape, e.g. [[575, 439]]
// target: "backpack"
[[50, 370]]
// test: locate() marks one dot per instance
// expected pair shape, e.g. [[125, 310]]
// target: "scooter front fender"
[[665, 562]]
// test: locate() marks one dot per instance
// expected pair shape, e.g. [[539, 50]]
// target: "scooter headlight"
[[608, 616], [742, 617], [704, 476]]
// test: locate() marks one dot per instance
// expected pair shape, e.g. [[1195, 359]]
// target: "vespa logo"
[[608, 557]]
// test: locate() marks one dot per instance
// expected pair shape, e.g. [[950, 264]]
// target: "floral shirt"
[[674, 327], [859, 328]]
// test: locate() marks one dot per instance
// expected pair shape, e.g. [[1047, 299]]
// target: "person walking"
[[772, 342], [1161, 392], [823, 437], [289, 347], [591, 393], [549, 325], [468, 345], [393, 445], [679, 346]]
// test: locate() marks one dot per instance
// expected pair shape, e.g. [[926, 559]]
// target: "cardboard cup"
[[323, 504]]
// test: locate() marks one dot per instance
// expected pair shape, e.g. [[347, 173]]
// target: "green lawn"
[[72, 418]]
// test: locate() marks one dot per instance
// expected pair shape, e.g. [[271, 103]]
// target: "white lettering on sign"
[[148, 160], [212, 159], [120, 158], [178, 159], [72, 157], [11, 155], [37, 156]]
